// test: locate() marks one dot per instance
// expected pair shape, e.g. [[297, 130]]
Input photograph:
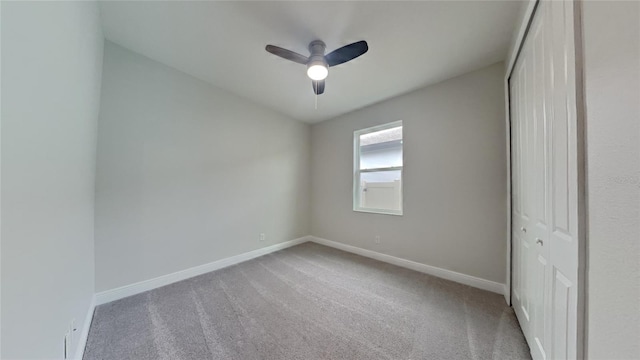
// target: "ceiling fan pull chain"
[[316, 100]]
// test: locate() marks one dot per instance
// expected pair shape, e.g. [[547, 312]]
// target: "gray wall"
[[188, 174], [612, 73], [51, 71], [454, 177]]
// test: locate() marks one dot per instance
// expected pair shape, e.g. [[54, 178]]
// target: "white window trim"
[[357, 171]]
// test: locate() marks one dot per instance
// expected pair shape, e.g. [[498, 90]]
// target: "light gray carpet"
[[308, 302]]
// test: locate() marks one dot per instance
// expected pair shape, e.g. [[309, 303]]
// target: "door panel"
[[564, 175], [562, 303], [520, 179], [539, 192], [515, 274], [527, 288]]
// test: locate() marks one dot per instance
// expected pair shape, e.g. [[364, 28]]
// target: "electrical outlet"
[[377, 239], [263, 237]]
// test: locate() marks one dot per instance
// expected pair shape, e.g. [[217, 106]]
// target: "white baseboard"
[[427, 269], [84, 332], [146, 285], [142, 286]]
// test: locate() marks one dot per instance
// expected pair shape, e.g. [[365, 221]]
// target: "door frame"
[[514, 52]]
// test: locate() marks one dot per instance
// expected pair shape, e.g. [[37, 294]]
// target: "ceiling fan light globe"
[[317, 71]]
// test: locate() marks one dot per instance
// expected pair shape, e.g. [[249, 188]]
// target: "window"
[[377, 164]]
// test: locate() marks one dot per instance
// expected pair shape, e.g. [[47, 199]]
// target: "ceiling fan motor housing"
[[317, 47], [317, 67]]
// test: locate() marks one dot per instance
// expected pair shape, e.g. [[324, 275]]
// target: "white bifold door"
[[544, 153]]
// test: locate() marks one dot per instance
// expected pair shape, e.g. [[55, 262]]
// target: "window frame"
[[357, 171]]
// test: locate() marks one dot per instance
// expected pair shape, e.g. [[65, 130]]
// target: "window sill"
[[381, 212]]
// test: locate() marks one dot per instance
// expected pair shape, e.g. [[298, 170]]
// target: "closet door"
[[564, 181], [521, 192], [545, 183]]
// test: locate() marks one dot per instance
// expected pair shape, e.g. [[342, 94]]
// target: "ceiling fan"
[[318, 63]]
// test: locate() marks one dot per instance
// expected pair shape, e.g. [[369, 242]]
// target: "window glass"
[[378, 169]]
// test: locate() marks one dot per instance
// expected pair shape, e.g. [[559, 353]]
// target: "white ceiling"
[[411, 44]]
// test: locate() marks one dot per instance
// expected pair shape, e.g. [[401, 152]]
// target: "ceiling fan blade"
[[287, 54], [346, 53], [318, 86]]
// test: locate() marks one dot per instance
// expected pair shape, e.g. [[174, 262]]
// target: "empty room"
[[266, 180]]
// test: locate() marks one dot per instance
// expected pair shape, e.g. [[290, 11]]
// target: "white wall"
[[612, 84], [454, 177], [51, 72], [188, 174]]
